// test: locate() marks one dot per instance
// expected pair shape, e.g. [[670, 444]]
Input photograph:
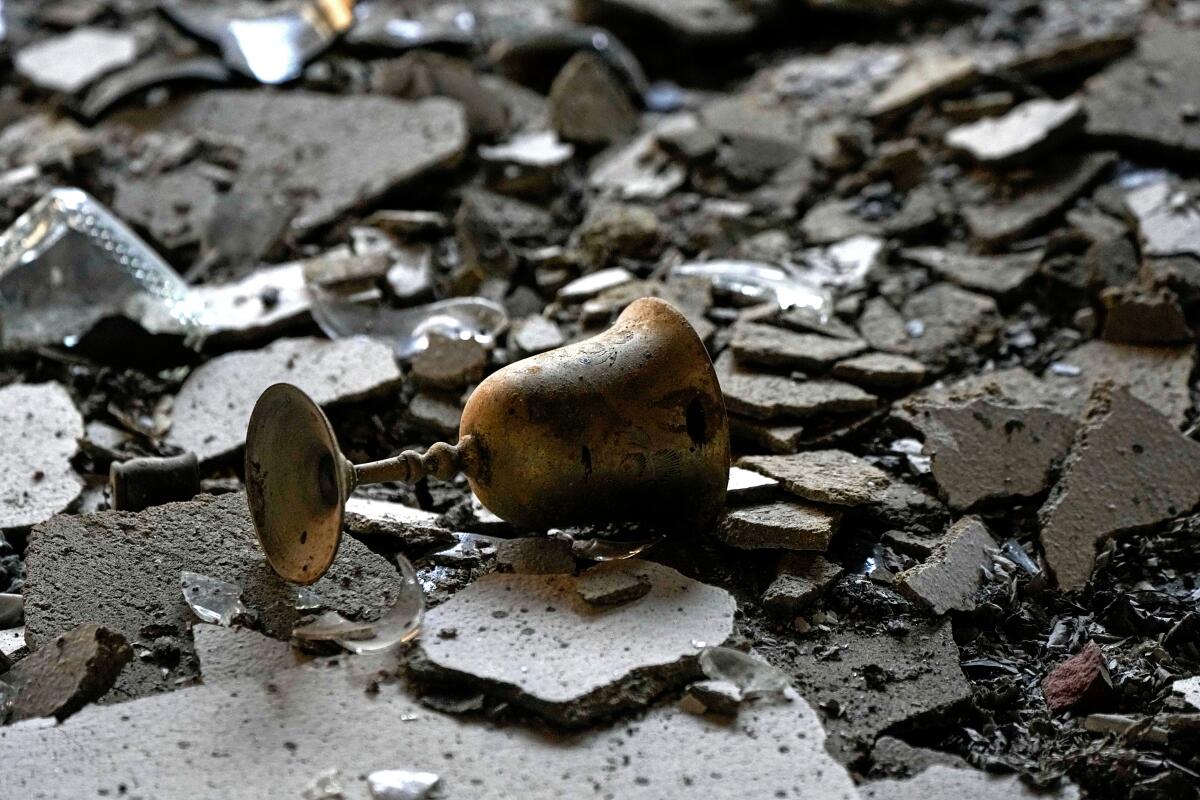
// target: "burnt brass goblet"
[[628, 426]]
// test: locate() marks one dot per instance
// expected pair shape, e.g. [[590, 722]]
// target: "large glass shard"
[[753, 677], [400, 784], [211, 599], [755, 281], [270, 43], [67, 263]]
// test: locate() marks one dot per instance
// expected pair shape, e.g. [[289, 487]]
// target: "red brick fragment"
[[1082, 681]]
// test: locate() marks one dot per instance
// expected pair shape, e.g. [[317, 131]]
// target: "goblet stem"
[[441, 460]]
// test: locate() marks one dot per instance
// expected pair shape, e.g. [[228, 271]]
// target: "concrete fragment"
[[521, 637], [883, 327], [535, 555], [982, 451], [765, 396], [66, 674], [173, 207], [784, 525], [930, 71], [881, 371], [436, 412], [534, 334], [588, 104], [995, 275], [416, 531], [823, 476], [1029, 129], [450, 363], [1128, 468], [695, 23], [953, 573], [892, 756], [837, 219], [1190, 689], [719, 697], [69, 62], [211, 410], [748, 486], [265, 302], [41, 429], [951, 322], [1144, 316], [1080, 682], [799, 579], [613, 583], [755, 343], [940, 782], [228, 654], [1168, 220], [12, 610], [1158, 376], [79, 571]]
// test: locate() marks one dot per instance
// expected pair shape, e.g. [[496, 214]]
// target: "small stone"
[[1129, 468], [1141, 316], [210, 412], [613, 583], [930, 71], [719, 697], [799, 579], [535, 555], [755, 343], [612, 230], [983, 452], [782, 525], [1029, 129], [883, 327], [66, 674], [881, 371], [41, 429], [954, 322], [942, 782], [417, 532], [824, 476], [593, 284], [1158, 376], [746, 486], [534, 334], [995, 275], [450, 363], [589, 105], [1168, 220], [520, 624], [69, 62], [953, 573], [1080, 682]]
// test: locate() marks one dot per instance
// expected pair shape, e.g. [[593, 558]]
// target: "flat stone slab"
[[799, 579], [213, 406], [755, 343], [1128, 468], [944, 321], [245, 740], [953, 573], [41, 429], [782, 525], [122, 571], [415, 531], [995, 275], [881, 371], [769, 396], [747, 486], [59, 679], [1030, 128], [928, 71], [824, 476], [1168, 220], [533, 640], [939, 782], [327, 151], [1158, 376], [982, 451]]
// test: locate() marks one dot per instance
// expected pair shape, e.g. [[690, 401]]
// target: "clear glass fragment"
[[541, 149], [67, 263], [608, 550], [756, 282], [308, 600], [914, 452], [270, 43], [400, 623], [1015, 553], [212, 600], [401, 25], [400, 784], [471, 549], [326, 786], [755, 678], [333, 627]]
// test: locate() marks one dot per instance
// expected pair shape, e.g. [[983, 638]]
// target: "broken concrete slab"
[[995, 275], [945, 322], [340, 724], [1026, 131], [78, 571], [1081, 682], [535, 555], [941, 782], [1128, 468], [834, 477], [210, 412], [1158, 376], [799, 579], [521, 636], [588, 104], [747, 486], [323, 149], [69, 62], [41, 429], [450, 363], [929, 72], [416, 532], [1168, 219], [66, 674], [949, 579], [881, 371], [1137, 315], [613, 583], [982, 451], [264, 303], [782, 525], [766, 396], [1138, 101], [172, 207], [772, 346], [232, 653]]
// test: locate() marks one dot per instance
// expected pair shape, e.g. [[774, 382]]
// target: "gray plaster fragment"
[[64, 675], [613, 583], [535, 555], [996, 275], [824, 476], [69, 62], [533, 640], [1028, 129], [953, 573], [755, 343], [1168, 220], [799, 579], [588, 104], [212, 408], [747, 486], [783, 525], [416, 531], [881, 371], [952, 321], [41, 429], [233, 653], [929, 71], [265, 302]]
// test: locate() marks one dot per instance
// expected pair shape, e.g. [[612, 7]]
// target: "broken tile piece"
[[1128, 468], [41, 429], [881, 371], [612, 583], [211, 410], [1027, 130], [588, 104], [996, 275], [1080, 682], [799, 579], [69, 62], [755, 343], [982, 451], [1158, 376], [941, 782], [783, 525], [66, 674], [824, 476], [950, 577], [522, 637]]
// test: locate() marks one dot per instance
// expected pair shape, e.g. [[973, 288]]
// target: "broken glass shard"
[[67, 263], [350, 311], [270, 43], [608, 550], [333, 627], [540, 149], [326, 786], [401, 26], [212, 600], [400, 784], [758, 282], [6, 697], [843, 265], [755, 678], [399, 624], [1016, 553], [154, 71], [308, 600], [472, 549]]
